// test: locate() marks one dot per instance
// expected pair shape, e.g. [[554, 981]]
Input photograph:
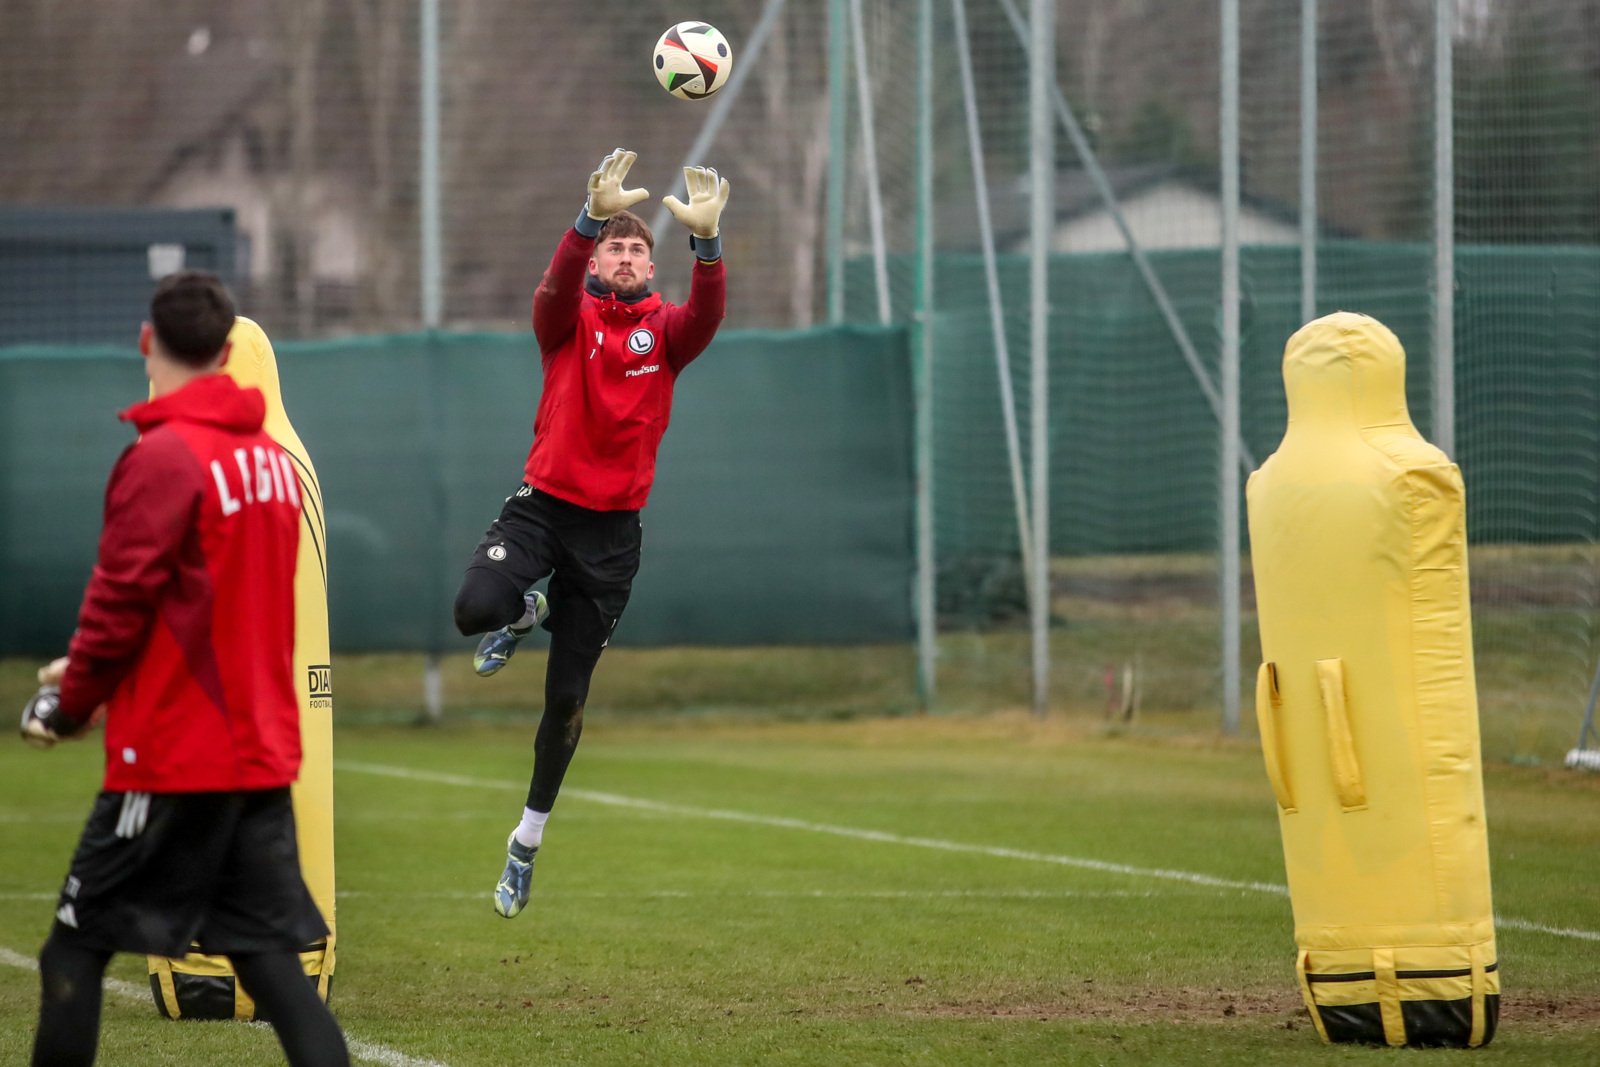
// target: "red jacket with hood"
[[187, 626], [609, 369]]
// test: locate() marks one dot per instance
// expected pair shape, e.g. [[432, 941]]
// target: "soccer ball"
[[693, 60], [35, 713]]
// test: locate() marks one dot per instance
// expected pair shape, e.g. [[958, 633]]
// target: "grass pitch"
[[717, 889]]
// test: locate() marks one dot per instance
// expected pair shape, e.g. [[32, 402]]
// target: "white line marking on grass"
[[361, 1050], [882, 837], [1541, 928], [385, 1056], [772, 894], [878, 836]]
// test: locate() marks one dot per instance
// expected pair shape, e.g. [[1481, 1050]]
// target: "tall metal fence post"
[[1444, 227], [869, 155], [1228, 495], [1042, 171], [838, 112], [432, 273], [927, 598], [1308, 160]]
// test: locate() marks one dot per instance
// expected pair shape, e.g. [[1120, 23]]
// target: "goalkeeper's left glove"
[[708, 195], [43, 721]]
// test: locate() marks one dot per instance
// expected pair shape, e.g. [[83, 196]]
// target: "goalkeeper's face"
[[622, 264]]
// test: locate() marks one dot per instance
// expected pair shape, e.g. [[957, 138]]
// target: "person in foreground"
[[184, 645], [612, 351]]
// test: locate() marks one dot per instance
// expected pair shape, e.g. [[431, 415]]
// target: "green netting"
[[1133, 440], [781, 511]]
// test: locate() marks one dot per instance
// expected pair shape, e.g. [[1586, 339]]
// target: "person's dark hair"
[[626, 224], [191, 314]]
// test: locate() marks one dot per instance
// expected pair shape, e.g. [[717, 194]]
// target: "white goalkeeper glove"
[[43, 723], [606, 194], [708, 195], [52, 672]]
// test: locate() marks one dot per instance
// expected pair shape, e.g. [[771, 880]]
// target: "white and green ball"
[[693, 60]]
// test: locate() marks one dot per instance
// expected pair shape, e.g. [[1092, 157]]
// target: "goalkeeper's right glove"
[[43, 721], [606, 194]]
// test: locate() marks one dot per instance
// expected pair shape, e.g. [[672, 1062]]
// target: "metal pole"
[[1308, 160], [725, 99], [991, 275], [922, 325], [432, 272], [869, 151], [1444, 232], [1042, 173], [1228, 495], [838, 112]]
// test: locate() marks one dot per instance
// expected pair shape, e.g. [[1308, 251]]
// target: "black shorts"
[[591, 558], [158, 873]]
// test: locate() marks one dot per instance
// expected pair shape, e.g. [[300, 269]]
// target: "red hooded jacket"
[[187, 626], [609, 369]]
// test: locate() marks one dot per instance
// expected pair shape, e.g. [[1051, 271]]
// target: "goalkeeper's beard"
[[623, 286]]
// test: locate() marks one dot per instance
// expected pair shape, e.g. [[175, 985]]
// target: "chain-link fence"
[[1341, 164], [305, 120]]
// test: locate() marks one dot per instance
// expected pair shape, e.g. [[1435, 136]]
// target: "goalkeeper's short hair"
[[627, 224]]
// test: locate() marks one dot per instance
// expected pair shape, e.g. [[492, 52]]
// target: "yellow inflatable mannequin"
[[1367, 704], [203, 987]]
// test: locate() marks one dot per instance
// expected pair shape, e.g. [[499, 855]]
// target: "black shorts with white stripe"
[[161, 873]]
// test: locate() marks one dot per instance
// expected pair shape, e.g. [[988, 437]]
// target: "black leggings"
[[566, 690], [70, 979], [488, 601]]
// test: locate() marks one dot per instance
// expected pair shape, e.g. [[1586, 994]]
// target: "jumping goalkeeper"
[[612, 351]]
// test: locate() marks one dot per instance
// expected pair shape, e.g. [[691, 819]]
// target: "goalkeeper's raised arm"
[[692, 326], [611, 350]]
